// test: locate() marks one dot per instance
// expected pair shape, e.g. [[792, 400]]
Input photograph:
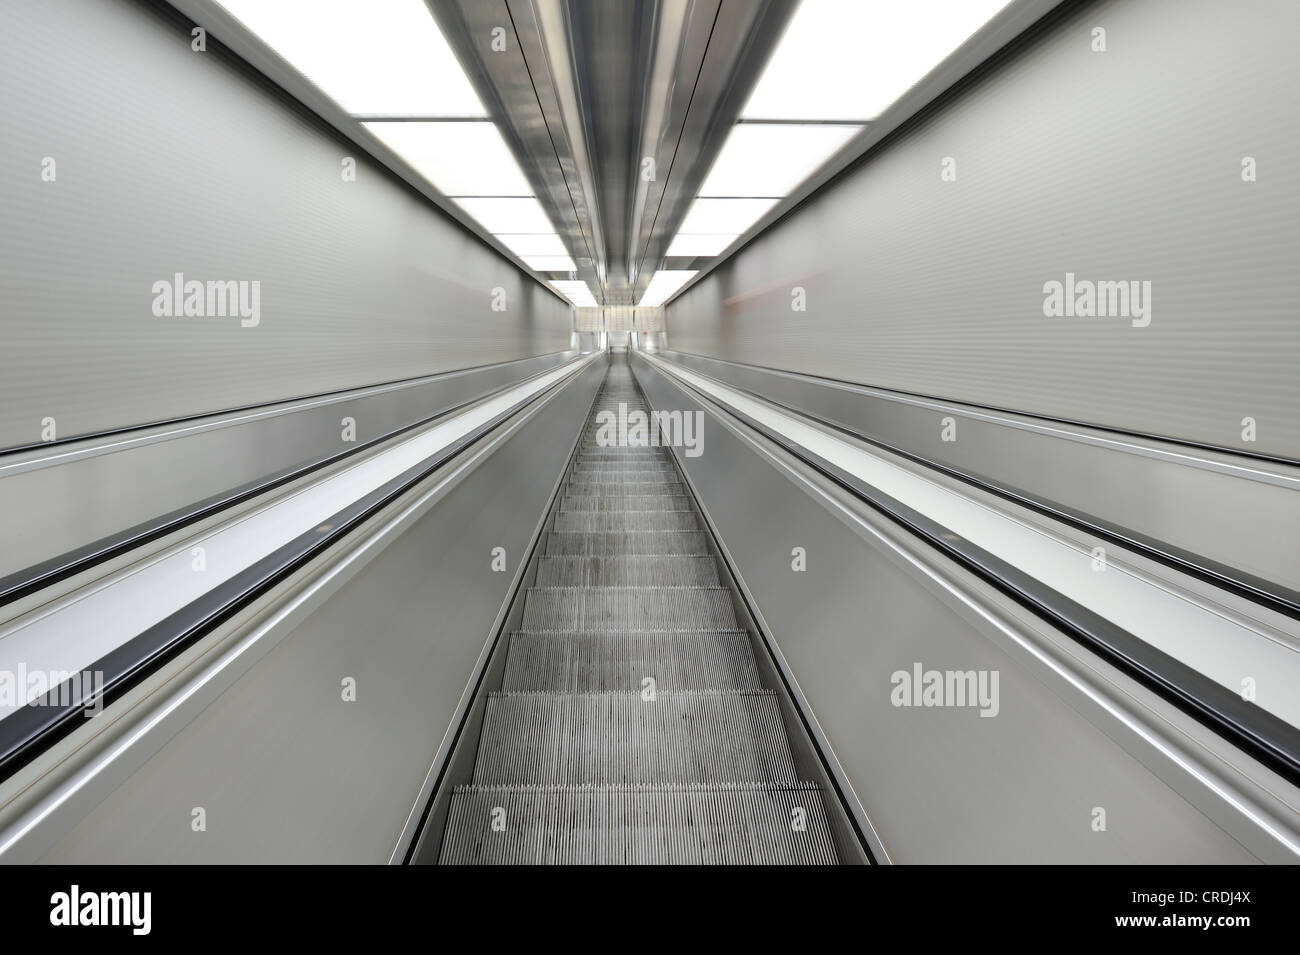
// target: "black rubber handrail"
[[1276, 597], [33, 728], [1266, 737], [30, 579]]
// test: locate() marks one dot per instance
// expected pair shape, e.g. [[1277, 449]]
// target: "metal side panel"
[[1237, 515], [944, 783], [358, 279], [1067, 162], [283, 767], [52, 499]]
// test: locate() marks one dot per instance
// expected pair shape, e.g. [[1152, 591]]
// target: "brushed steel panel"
[[173, 161], [286, 770], [940, 784], [52, 500], [1100, 164], [1243, 514]]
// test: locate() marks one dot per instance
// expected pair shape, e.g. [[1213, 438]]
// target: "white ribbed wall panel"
[[1122, 165]]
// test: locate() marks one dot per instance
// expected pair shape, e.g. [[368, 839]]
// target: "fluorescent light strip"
[[506, 215], [771, 160], [851, 59], [576, 292], [719, 216], [460, 159], [663, 284], [532, 243], [550, 263], [378, 57], [700, 244]]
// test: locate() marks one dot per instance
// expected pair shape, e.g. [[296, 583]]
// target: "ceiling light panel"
[[700, 244], [537, 243], [771, 160], [720, 216], [460, 159], [550, 263], [663, 284], [372, 57], [850, 59], [576, 292], [507, 215]]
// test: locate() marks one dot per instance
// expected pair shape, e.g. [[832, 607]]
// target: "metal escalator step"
[[628, 608], [581, 758], [659, 825], [621, 489], [568, 739], [597, 662], [628, 502], [626, 521], [627, 571], [602, 543], [595, 448], [598, 459], [623, 462], [606, 476]]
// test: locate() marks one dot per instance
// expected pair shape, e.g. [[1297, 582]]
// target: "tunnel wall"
[[172, 161], [1123, 165]]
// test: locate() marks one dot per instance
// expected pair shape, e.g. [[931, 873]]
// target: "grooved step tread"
[[626, 542], [625, 520], [660, 825], [576, 738], [595, 662], [624, 571], [623, 488], [632, 725], [628, 502], [628, 608], [624, 477], [659, 462]]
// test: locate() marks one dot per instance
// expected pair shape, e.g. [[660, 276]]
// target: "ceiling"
[[615, 148], [615, 110]]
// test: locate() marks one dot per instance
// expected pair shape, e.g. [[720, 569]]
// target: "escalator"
[[632, 723]]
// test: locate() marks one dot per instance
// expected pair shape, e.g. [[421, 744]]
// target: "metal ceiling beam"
[[501, 48], [586, 91], [721, 60]]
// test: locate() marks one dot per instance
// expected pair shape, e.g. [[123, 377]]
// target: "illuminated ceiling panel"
[[460, 159], [663, 284], [377, 57], [850, 59]]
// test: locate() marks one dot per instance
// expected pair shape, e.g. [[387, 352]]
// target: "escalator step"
[[606, 476], [629, 608], [628, 502], [593, 453], [570, 739], [626, 521], [661, 825], [583, 759], [598, 662], [627, 542], [624, 465], [623, 488], [627, 571]]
